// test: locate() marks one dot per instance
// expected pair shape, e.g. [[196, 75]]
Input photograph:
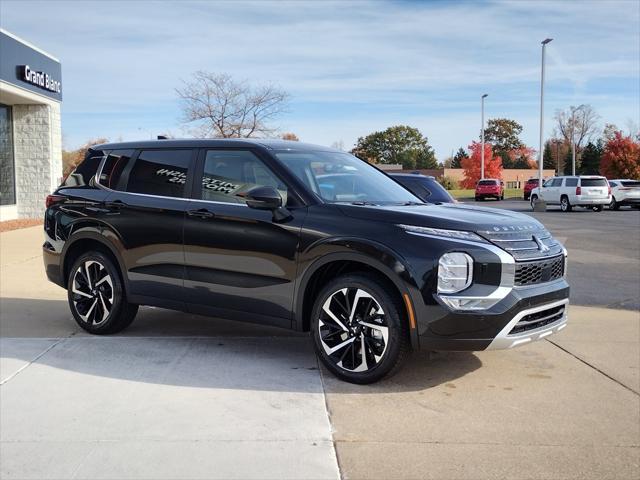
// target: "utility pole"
[[541, 202], [482, 136]]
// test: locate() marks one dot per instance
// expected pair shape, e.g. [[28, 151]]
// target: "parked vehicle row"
[[302, 237]]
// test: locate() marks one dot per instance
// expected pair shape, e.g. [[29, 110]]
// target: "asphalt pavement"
[[604, 251]]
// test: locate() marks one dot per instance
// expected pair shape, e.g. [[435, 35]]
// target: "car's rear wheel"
[[598, 208], [614, 205], [96, 297], [358, 328], [565, 205]]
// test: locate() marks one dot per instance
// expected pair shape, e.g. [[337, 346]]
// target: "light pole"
[[482, 136], [542, 204]]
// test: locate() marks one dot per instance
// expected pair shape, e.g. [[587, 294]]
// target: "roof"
[[269, 143]]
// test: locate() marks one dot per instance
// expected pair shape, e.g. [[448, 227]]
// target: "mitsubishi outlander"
[[301, 237]]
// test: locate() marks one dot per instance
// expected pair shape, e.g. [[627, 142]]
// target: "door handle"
[[201, 213]]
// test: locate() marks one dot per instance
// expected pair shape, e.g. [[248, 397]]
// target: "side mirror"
[[267, 198]]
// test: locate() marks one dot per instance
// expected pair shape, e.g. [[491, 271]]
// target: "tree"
[[290, 136], [398, 144], [621, 157], [471, 165], [72, 158], [220, 106], [458, 157], [548, 160], [591, 157], [503, 133], [577, 125]]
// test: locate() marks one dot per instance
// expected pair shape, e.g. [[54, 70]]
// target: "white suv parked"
[[624, 192], [568, 192]]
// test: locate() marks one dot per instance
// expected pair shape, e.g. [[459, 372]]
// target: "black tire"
[[598, 208], [382, 356], [502, 197], [98, 305], [534, 199], [565, 205], [614, 205]]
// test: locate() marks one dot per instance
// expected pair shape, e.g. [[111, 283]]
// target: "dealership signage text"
[[39, 79]]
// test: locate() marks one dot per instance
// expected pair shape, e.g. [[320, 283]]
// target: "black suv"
[[302, 237]]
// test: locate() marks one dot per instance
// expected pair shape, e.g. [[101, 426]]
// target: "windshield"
[[341, 177]]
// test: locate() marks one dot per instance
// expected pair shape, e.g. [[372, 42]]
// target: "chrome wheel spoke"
[[353, 330], [93, 292]]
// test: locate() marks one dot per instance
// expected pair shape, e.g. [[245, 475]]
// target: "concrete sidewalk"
[[183, 396]]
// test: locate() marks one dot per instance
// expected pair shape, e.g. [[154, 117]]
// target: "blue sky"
[[350, 67]]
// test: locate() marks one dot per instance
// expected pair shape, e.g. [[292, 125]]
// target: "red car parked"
[[490, 187], [530, 185]]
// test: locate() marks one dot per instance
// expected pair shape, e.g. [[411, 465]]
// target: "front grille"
[[532, 273], [538, 319], [524, 243]]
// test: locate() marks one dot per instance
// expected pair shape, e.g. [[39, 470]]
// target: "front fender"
[[368, 252]]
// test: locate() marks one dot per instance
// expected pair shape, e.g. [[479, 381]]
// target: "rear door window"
[[593, 182], [160, 172], [556, 182]]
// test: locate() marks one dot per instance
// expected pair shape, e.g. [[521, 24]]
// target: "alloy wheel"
[[353, 330], [93, 294]]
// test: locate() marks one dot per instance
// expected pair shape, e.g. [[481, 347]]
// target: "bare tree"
[[577, 125], [223, 107]]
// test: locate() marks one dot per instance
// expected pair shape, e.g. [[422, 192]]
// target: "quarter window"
[[114, 167], [160, 172], [229, 174], [571, 182]]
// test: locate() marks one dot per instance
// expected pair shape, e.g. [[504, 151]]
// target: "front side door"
[[548, 191], [146, 209], [238, 259]]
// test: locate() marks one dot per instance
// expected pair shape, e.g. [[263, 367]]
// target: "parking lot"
[[183, 396]]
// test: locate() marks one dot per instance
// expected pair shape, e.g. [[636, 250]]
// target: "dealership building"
[[30, 132]]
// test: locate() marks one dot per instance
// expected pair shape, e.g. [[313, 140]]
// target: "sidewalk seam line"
[[326, 408], [25, 366], [594, 367]]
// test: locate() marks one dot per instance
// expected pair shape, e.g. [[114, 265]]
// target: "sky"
[[351, 68]]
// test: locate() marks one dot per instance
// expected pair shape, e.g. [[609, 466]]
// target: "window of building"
[[229, 174], [7, 166], [160, 172]]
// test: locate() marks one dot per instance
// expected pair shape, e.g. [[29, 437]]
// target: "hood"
[[453, 216], [522, 236]]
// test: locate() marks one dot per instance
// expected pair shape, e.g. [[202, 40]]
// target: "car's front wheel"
[[358, 328], [565, 205], [533, 201], [96, 296]]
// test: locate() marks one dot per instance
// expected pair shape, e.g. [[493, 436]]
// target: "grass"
[[470, 193]]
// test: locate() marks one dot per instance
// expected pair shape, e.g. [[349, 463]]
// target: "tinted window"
[[630, 183], [160, 172], [488, 182], [341, 177], [556, 182], [229, 174], [594, 182], [114, 166], [427, 189], [571, 182], [84, 172]]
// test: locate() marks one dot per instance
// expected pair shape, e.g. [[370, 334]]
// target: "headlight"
[[455, 271], [440, 232]]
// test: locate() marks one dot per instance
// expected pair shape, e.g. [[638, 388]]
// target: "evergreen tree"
[[458, 157], [568, 159], [548, 158], [591, 156]]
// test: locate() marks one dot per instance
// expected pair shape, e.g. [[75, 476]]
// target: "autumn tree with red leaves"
[[471, 165], [621, 158]]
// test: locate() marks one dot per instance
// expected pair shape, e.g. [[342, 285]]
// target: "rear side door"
[[239, 260], [146, 209]]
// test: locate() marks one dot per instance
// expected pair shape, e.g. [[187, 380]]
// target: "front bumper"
[[494, 328]]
